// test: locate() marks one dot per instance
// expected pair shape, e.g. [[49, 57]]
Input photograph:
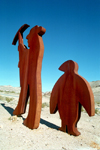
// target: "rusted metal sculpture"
[[70, 92], [30, 64]]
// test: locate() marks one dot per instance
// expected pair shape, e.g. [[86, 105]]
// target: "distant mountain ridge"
[[95, 85]]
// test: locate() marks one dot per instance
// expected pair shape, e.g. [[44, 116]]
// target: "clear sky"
[[72, 33]]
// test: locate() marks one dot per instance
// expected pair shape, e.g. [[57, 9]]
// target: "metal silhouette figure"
[[69, 94], [30, 64]]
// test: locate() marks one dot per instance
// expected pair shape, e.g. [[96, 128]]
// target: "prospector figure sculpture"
[[30, 64], [70, 92]]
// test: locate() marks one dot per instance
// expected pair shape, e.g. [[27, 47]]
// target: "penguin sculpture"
[[68, 95], [30, 64]]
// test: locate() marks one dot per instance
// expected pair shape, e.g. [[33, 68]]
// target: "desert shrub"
[[1, 97], [82, 109], [13, 118], [9, 91], [6, 92], [96, 111], [8, 99], [98, 103], [45, 105], [12, 91], [1, 90]]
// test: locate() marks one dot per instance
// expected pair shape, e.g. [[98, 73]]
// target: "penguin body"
[[69, 94]]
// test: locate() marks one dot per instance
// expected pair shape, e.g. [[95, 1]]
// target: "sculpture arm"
[[21, 40], [54, 98], [54, 101], [57, 94]]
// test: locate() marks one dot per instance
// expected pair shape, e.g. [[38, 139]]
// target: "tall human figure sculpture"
[[30, 64], [69, 93]]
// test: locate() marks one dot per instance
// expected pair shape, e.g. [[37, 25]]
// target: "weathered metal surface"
[[69, 94], [30, 64], [21, 30]]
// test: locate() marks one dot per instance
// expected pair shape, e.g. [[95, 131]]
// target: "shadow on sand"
[[9, 109], [49, 124], [42, 121]]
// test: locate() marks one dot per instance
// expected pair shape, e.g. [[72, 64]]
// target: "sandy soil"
[[15, 136]]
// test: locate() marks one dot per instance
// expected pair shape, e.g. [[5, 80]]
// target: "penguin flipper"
[[54, 101], [86, 97]]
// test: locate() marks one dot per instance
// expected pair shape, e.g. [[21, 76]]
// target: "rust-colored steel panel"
[[68, 95], [30, 64], [21, 30]]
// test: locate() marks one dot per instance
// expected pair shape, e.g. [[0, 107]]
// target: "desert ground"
[[15, 136]]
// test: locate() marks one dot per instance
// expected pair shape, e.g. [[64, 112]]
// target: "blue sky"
[[72, 33]]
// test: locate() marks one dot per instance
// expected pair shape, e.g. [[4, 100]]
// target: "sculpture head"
[[39, 31], [69, 66]]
